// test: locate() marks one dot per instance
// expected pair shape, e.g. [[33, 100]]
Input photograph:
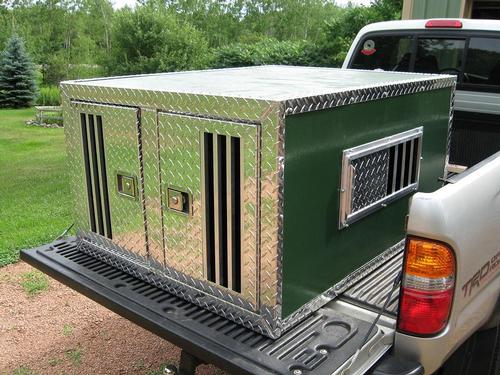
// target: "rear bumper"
[[321, 344], [392, 365]]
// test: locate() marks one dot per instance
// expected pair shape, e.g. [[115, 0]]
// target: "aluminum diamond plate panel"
[[370, 179], [181, 167], [121, 139]]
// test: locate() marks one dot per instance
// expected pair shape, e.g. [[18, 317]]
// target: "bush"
[[85, 71], [55, 69], [151, 39], [267, 51], [49, 95]]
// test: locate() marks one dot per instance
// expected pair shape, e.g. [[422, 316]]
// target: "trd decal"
[[485, 272]]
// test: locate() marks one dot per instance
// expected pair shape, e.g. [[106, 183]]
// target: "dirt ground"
[[59, 331]]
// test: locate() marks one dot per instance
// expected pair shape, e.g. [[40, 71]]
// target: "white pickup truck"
[[460, 214]]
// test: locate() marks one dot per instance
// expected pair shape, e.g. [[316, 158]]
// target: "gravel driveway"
[[59, 331]]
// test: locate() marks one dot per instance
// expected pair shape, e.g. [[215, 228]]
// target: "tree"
[[151, 39], [17, 79]]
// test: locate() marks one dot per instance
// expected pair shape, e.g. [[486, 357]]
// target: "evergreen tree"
[[17, 81]]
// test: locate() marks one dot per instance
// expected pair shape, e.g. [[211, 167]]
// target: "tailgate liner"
[[318, 345]]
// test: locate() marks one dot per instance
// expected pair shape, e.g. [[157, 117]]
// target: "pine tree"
[[17, 80]]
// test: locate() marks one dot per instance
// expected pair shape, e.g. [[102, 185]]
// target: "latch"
[[126, 185], [179, 201]]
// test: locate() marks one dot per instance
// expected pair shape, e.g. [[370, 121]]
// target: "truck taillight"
[[427, 288], [443, 24]]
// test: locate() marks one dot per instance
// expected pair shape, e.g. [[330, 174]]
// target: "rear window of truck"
[[475, 60]]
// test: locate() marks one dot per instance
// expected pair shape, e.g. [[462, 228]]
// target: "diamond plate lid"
[[272, 82]]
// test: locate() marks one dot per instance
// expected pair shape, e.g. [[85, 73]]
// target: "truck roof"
[[467, 24], [409, 25]]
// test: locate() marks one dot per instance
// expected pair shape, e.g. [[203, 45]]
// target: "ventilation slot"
[[95, 174], [376, 173], [222, 194], [403, 161]]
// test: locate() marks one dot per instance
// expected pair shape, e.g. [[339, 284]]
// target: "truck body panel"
[[466, 215]]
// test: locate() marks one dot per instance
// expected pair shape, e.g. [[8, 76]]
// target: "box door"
[[104, 147], [209, 186]]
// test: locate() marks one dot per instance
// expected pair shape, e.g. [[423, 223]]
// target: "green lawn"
[[34, 191]]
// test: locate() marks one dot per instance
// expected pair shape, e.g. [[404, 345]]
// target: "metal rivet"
[[174, 200], [323, 351], [297, 372]]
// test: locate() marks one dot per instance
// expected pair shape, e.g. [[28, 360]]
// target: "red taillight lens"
[[424, 313], [428, 285], [444, 24]]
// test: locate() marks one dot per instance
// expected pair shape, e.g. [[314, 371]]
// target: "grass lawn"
[[34, 191]]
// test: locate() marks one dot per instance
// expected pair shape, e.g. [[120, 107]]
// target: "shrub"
[[267, 51], [151, 39], [55, 69], [84, 71], [49, 95]]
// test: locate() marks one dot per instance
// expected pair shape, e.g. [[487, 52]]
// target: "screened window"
[[443, 56], [392, 53], [483, 62]]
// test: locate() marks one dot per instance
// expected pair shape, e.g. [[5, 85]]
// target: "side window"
[[483, 62], [390, 53], [443, 56]]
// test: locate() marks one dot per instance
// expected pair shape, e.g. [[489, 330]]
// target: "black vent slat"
[[104, 178], [415, 157], [406, 164], [88, 179], [399, 166], [96, 174], [209, 204], [222, 200], [236, 215]]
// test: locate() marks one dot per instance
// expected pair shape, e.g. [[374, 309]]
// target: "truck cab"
[[468, 49]]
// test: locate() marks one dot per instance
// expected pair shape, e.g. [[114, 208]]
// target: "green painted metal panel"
[[436, 9], [316, 254]]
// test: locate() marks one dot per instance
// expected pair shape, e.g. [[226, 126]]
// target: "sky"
[[121, 3]]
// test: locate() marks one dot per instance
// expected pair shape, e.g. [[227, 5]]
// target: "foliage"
[[67, 330], [151, 39], [17, 77], [23, 370], [49, 95], [34, 185], [73, 39], [74, 355], [34, 282], [339, 32], [267, 51]]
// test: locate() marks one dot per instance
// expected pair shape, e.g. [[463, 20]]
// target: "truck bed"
[[321, 344]]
